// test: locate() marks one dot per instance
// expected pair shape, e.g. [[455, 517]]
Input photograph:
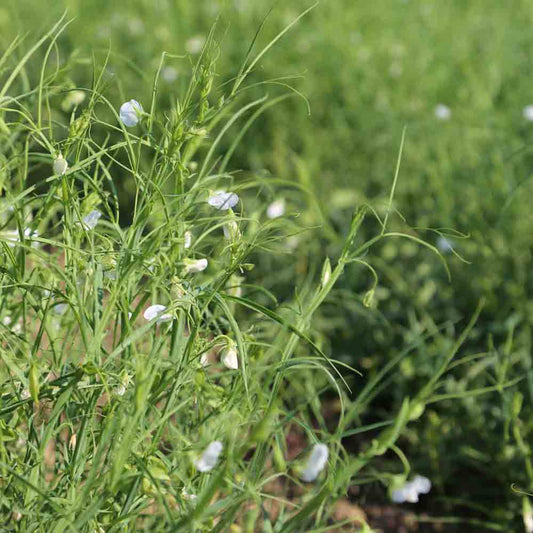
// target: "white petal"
[[411, 494], [90, 220], [398, 495], [276, 209], [443, 112], [223, 200], [528, 112], [192, 267], [230, 359], [157, 310], [130, 113], [422, 484], [187, 239], [210, 456], [316, 462], [60, 165]]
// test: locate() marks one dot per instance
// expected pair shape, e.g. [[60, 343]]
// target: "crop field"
[[266, 267]]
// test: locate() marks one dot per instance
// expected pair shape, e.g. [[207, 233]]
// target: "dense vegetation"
[[370, 290]]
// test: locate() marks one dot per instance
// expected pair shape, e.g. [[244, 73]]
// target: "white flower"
[[73, 99], [422, 484], [407, 493], [169, 74], [527, 112], [444, 245], [204, 360], [316, 462], [210, 456], [276, 208], [60, 165], [157, 310], [89, 221], [223, 200], [411, 490], [187, 239], [230, 358], [130, 113], [195, 44], [193, 266], [443, 112]]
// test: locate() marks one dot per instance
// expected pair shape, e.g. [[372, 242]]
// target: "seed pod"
[[34, 383], [326, 272]]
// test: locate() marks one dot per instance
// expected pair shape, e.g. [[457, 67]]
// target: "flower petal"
[[222, 200], [130, 113]]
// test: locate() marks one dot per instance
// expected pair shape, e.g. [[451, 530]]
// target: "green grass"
[[318, 121]]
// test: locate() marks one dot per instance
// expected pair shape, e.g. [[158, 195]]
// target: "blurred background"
[[458, 76]]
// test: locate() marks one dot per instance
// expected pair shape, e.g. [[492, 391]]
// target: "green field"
[[353, 312]]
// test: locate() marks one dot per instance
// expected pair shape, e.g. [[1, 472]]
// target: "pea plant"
[[145, 383]]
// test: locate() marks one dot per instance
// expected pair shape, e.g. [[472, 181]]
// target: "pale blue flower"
[[130, 113], [222, 200], [90, 220], [444, 245]]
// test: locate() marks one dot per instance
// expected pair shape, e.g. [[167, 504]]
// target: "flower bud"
[[60, 165], [230, 357], [187, 239], [130, 113], [326, 272], [231, 231]]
